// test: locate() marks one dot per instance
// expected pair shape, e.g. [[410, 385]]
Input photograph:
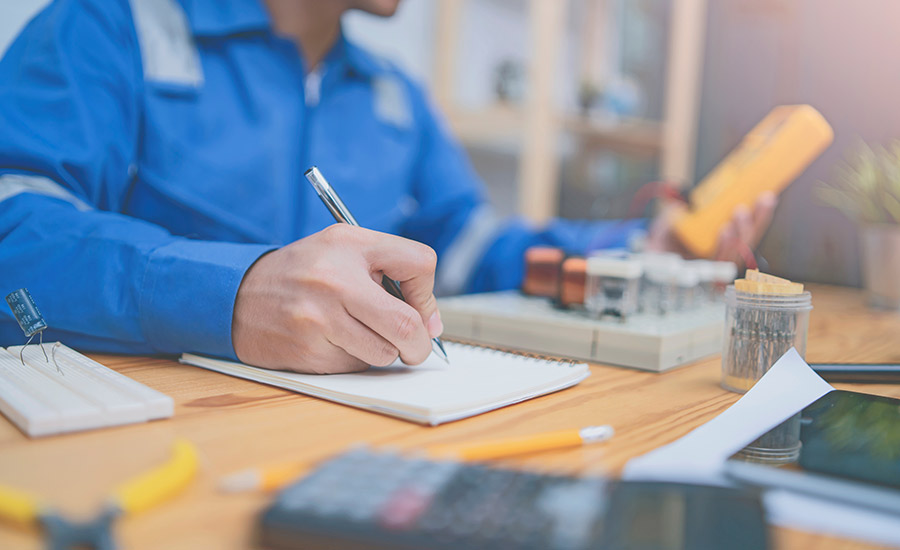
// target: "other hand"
[[745, 229], [317, 304]]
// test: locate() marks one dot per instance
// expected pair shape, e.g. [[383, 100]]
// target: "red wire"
[[747, 255], [653, 190]]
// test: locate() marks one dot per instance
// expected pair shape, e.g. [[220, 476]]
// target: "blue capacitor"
[[26, 312]]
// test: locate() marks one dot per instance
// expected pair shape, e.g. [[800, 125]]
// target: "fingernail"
[[435, 325]]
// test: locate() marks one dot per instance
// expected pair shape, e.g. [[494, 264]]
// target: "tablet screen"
[[852, 435]]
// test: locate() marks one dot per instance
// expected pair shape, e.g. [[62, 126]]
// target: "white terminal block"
[[645, 340], [81, 394]]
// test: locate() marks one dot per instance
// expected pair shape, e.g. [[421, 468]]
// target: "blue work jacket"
[[152, 150]]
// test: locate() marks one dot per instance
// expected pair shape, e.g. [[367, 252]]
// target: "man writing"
[[152, 195]]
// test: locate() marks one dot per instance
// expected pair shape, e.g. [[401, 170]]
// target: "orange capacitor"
[[542, 271], [574, 279], [769, 158]]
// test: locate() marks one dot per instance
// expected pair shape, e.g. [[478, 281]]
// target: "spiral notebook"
[[477, 380]]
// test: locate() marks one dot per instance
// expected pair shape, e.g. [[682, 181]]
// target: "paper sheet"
[[699, 457]]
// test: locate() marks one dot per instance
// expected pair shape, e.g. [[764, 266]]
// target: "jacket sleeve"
[[478, 251], [70, 109]]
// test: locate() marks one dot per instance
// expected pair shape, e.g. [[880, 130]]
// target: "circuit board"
[[642, 341]]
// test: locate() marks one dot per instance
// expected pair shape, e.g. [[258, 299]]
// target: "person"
[[152, 196]]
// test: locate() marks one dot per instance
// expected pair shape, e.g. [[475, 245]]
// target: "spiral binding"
[[530, 355]]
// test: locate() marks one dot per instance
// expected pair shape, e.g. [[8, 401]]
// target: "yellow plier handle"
[[160, 483], [19, 507]]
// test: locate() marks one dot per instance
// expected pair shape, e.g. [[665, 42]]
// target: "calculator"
[[366, 499]]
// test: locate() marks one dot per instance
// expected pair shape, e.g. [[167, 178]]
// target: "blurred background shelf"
[[502, 126], [540, 126]]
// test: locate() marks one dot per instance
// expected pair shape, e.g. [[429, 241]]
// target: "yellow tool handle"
[[151, 488], [18, 506], [511, 447]]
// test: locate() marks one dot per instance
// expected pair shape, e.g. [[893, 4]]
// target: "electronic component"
[[29, 318], [26, 312], [573, 279], [371, 500], [613, 283], [542, 271], [40, 402]]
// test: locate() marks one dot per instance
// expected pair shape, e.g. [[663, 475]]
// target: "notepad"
[[477, 380], [68, 392]]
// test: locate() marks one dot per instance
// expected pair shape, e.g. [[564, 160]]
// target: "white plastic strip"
[[461, 257]]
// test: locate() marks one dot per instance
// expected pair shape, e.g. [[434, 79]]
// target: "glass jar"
[[759, 329]]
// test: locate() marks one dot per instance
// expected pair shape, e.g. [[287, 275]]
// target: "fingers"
[[742, 223], [330, 359], [393, 320], [763, 211], [331, 314], [727, 249], [363, 343], [411, 264], [746, 228]]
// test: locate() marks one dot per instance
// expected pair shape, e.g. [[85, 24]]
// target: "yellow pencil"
[[275, 477], [264, 479], [522, 445]]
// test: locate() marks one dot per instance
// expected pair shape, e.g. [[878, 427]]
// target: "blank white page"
[[477, 379]]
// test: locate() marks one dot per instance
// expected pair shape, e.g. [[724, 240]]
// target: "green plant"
[[866, 187]]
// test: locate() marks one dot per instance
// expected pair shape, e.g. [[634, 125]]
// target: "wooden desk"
[[237, 424]]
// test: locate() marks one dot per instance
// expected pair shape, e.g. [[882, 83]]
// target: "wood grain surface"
[[238, 424]]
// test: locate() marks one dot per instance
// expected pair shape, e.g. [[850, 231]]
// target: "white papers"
[[789, 386], [699, 457]]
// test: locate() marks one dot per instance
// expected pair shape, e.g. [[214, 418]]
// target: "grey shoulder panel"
[[167, 46], [15, 184], [392, 103]]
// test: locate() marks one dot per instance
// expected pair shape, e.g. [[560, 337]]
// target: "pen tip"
[[438, 348]]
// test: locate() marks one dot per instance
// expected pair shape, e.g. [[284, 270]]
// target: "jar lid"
[[704, 269], [609, 266], [687, 276]]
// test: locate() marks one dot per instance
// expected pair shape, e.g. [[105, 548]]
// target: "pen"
[[278, 476], [342, 215]]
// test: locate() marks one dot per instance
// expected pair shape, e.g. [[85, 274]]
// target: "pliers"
[[133, 496]]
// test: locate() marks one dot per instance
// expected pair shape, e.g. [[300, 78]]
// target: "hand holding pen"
[[342, 214], [317, 305]]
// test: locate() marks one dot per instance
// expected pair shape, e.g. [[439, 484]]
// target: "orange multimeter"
[[769, 158]]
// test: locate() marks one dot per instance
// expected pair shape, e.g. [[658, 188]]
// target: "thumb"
[[412, 264]]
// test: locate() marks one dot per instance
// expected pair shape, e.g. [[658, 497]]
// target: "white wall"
[[13, 16], [840, 57]]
